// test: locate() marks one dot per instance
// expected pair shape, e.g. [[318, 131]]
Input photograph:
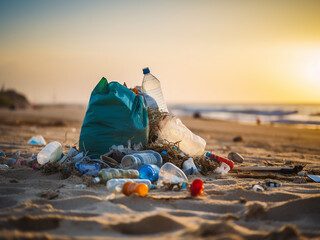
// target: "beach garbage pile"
[[132, 144]]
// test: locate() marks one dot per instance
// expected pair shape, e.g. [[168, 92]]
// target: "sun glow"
[[313, 74]]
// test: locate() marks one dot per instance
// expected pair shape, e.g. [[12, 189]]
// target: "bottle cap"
[[146, 70], [208, 154], [163, 153]]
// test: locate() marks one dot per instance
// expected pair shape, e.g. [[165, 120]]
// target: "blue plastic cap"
[[145, 70], [164, 153], [208, 154]]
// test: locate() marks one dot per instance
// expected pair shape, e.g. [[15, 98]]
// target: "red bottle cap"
[[196, 188]]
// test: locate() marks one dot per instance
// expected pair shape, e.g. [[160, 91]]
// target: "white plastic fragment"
[[38, 140], [258, 188], [223, 169], [189, 164]]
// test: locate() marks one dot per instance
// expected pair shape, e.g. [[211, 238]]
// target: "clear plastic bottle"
[[169, 173], [173, 130], [115, 185], [110, 173], [4, 167], [15, 162], [131, 187], [50, 153], [152, 91], [88, 169], [149, 171], [136, 160]]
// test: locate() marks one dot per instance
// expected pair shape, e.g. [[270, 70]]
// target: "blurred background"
[[204, 52]]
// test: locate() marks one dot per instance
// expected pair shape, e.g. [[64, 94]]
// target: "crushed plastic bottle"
[[115, 185], [4, 167], [15, 162], [88, 169], [72, 152], [110, 173], [169, 173], [50, 153], [152, 92], [173, 130], [196, 187], [136, 160], [149, 171], [138, 188]]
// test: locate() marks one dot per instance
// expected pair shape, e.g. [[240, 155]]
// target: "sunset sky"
[[229, 51]]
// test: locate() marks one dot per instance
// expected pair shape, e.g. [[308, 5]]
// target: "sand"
[[38, 206]]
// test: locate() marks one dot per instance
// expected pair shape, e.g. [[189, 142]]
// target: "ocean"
[[298, 115]]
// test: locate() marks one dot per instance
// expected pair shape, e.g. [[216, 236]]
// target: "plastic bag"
[[172, 129], [115, 115]]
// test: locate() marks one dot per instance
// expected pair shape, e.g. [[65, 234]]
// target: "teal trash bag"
[[114, 115]]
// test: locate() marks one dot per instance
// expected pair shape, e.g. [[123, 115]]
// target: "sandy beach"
[[38, 206]]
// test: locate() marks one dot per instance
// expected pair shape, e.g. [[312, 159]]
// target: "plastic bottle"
[[115, 185], [169, 173], [4, 167], [110, 173], [219, 159], [20, 162], [15, 162], [149, 171], [50, 153], [152, 91], [173, 130], [88, 169], [136, 160], [131, 187]]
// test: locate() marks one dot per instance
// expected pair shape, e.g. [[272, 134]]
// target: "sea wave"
[[299, 114]]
